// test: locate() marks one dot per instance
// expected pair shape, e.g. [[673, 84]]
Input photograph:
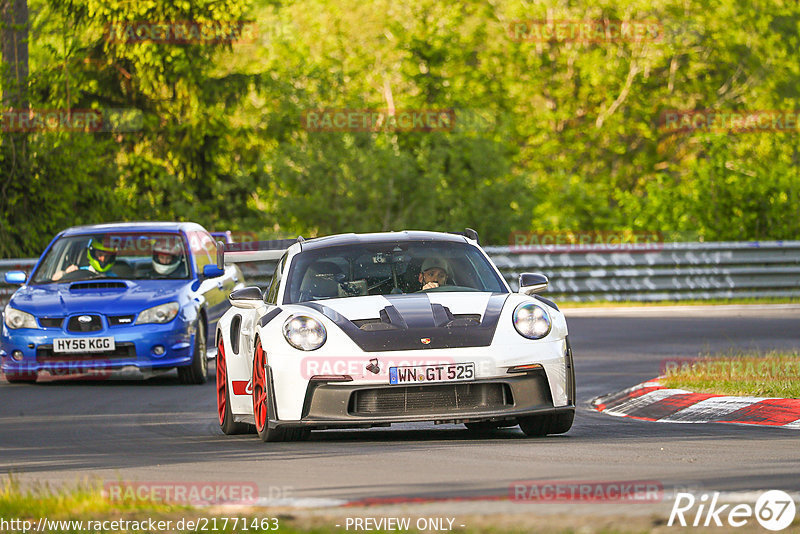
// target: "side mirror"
[[530, 283], [16, 277], [248, 297], [212, 271]]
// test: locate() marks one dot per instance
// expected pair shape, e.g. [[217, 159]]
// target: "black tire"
[[562, 422], [226, 423], [197, 371], [21, 378], [296, 434], [541, 425]]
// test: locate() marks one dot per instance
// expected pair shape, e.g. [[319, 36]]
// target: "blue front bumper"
[[136, 345]]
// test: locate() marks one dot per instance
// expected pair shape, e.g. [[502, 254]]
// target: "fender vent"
[[236, 325]]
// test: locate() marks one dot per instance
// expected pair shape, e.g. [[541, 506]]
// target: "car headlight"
[[532, 321], [163, 313], [304, 333], [18, 319]]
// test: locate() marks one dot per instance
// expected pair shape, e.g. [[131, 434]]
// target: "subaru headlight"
[[304, 333], [532, 321], [18, 319], [163, 313]]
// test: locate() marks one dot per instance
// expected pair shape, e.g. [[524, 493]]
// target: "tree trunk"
[[15, 53]]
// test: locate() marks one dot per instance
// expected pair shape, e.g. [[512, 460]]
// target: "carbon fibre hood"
[[416, 321]]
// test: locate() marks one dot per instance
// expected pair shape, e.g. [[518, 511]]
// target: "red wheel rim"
[[222, 382], [259, 389]]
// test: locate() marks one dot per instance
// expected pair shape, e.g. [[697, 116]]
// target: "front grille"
[[116, 320], [76, 325], [51, 322], [422, 400], [121, 350]]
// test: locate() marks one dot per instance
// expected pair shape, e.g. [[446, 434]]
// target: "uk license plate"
[[420, 374], [83, 344]]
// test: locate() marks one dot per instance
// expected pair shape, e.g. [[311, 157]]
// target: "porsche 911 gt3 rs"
[[363, 330]]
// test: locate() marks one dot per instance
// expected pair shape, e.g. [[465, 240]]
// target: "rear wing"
[[252, 251]]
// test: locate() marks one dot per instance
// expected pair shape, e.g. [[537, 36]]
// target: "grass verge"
[[770, 374], [83, 498], [708, 302]]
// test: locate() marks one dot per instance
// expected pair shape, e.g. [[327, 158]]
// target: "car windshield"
[[132, 256], [389, 268]]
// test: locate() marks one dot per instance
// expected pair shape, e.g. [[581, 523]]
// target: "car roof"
[[139, 226], [380, 237]]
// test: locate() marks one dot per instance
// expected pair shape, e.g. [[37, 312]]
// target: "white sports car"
[[363, 330]]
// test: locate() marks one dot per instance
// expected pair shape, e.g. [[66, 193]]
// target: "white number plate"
[[83, 344], [449, 372]]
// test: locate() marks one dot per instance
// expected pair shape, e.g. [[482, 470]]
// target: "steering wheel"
[[450, 288], [79, 274]]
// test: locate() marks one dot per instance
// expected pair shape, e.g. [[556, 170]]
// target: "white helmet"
[[167, 256]]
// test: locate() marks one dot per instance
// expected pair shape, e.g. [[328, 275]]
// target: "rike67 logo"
[[774, 510]]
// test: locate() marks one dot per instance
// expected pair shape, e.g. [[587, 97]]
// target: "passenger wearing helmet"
[[167, 257], [101, 257]]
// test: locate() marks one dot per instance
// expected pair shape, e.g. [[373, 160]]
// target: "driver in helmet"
[[167, 256], [101, 257]]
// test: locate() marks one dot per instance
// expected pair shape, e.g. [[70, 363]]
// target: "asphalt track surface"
[[160, 431]]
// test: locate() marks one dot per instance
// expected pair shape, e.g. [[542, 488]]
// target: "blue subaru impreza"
[[117, 296]]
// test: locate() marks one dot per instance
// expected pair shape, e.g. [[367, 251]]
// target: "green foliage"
[[770, 374], [551, 135]]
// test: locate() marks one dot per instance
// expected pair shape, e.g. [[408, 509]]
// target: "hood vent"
[[391, 320], [83, 286]]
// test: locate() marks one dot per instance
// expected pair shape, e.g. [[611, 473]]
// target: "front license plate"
[[417, 374], [83, 344]]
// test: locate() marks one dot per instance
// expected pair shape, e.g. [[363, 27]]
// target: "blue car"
[[118, 296]]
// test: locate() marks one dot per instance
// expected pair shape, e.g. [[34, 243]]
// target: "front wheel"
[[261, 404], [226, 422], [197, 371], [541, 425]]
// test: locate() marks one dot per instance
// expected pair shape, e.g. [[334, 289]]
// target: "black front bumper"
[[340, 405]]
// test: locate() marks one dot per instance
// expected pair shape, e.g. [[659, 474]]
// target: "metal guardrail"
[[645, 272], [659, 271]]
